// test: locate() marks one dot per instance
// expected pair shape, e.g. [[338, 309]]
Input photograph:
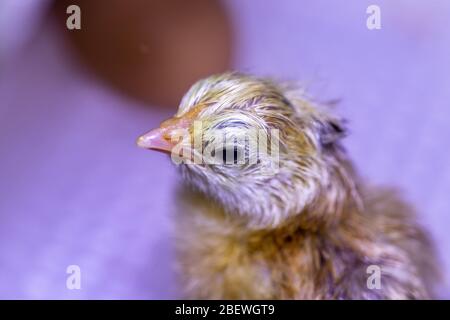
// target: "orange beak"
[[160, 139], [155, 140]]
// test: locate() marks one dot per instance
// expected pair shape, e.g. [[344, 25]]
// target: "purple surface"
[[74, 189]]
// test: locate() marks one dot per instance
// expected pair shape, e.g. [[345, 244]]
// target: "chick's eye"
[[228, 155], [231, 154]]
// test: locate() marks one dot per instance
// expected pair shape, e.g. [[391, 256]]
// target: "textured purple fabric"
[[74, 189]]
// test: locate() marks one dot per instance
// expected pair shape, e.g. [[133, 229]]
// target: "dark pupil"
[[235, 155]]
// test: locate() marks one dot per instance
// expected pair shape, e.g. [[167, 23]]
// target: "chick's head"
[[260, 150]]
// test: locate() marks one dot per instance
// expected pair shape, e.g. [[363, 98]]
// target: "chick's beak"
[[155, 139], [160, 139]]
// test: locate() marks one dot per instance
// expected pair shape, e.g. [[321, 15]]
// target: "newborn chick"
[[293, 221]]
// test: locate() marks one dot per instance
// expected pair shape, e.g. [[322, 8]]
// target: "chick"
[[299, 224]]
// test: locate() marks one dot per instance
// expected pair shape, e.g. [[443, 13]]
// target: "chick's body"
[[310, 229], [220, 259]]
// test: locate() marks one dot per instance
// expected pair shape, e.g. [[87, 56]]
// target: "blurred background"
[[74, 189]]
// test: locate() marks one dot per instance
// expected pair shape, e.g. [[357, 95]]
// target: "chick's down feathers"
[[295, 223]]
